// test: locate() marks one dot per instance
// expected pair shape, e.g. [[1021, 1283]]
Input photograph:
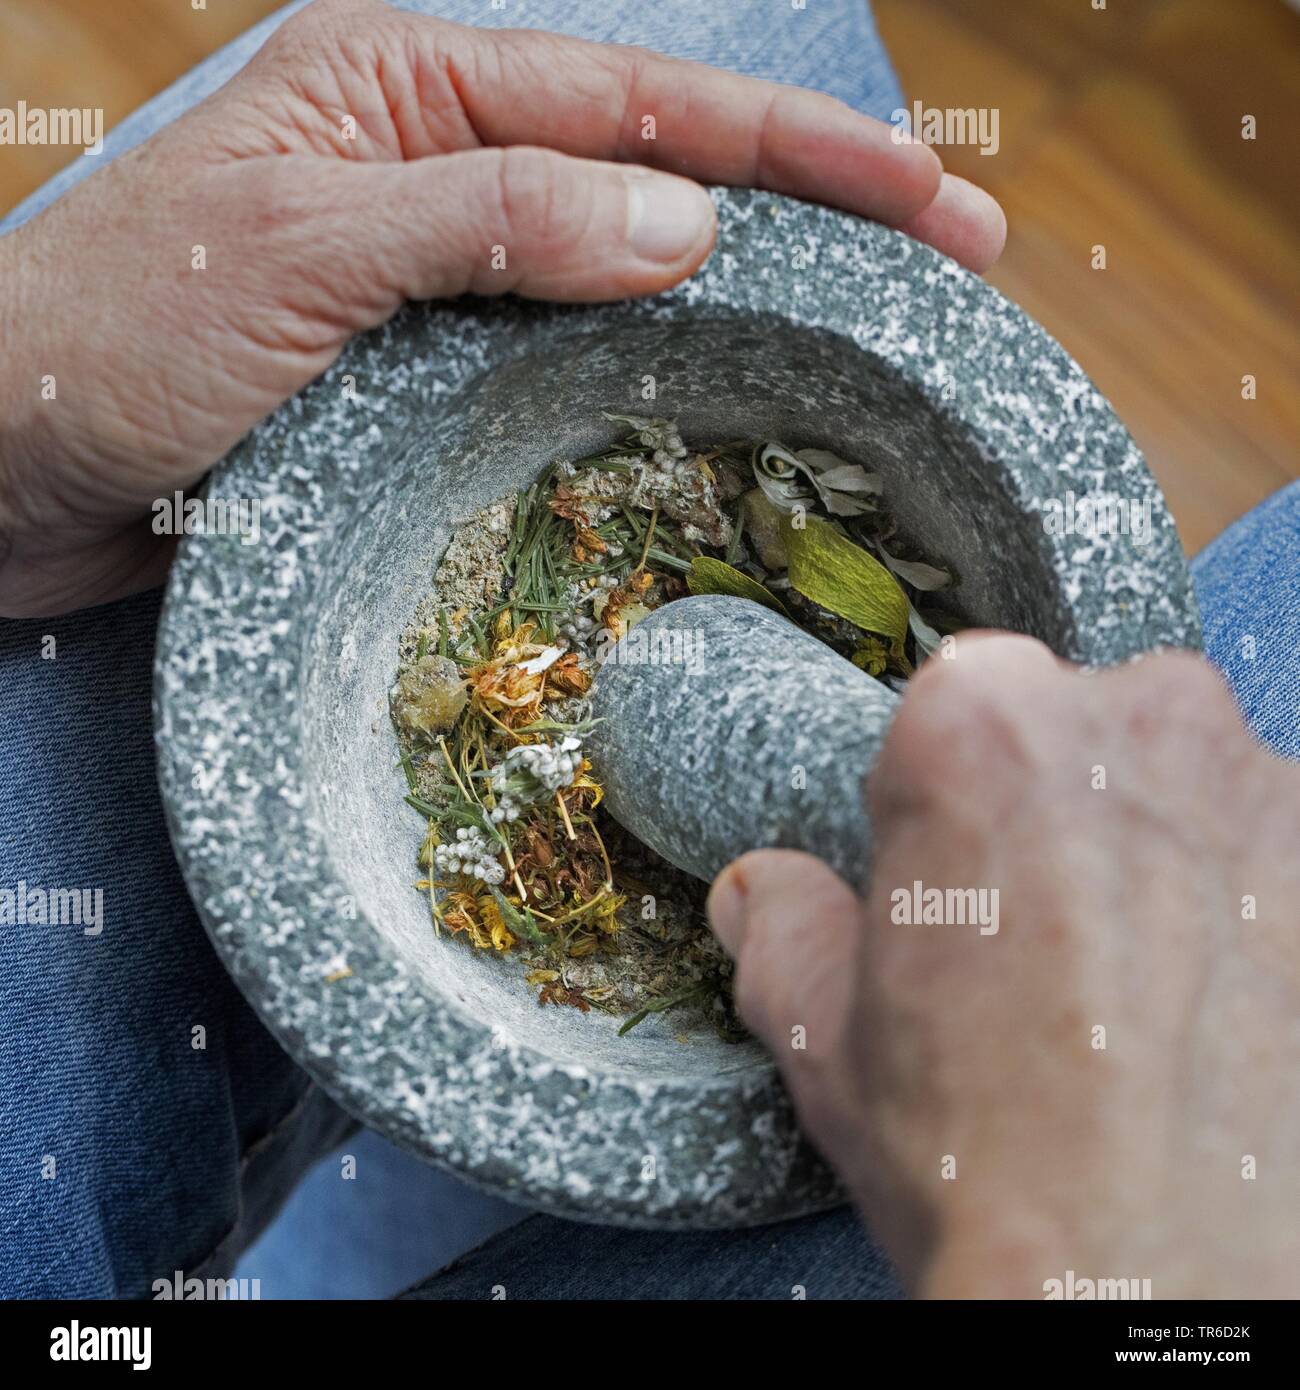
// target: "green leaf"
[[832, 571], [418, 803], [520, 923], [710, 576], [690, 995]]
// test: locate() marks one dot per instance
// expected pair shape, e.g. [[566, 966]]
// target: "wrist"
[[996, 1252]]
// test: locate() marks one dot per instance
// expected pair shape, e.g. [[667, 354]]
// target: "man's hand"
[[365, 157], [1106, 1082]]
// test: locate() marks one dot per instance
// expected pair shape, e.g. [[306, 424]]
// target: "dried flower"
[[533, 772], [515, 851], [469, 854]]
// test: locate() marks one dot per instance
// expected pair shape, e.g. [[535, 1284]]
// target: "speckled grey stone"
[[278, 766], [724, 728]]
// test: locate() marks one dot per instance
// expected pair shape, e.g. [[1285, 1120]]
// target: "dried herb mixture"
[[490, 702]]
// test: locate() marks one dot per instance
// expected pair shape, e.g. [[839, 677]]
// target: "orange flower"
[[625, 603], [502, 686], [588, 544], [569, 505], [567, 677], [479, 918], [556, 993]]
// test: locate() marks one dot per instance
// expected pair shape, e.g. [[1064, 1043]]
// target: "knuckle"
[[909, 752], [1173, 693], [534, 196], [958, 723]]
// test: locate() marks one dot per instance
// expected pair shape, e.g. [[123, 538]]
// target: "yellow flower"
[[500, 936]]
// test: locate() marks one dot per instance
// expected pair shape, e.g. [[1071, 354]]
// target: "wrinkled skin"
[[464, 140], [1121, 908]]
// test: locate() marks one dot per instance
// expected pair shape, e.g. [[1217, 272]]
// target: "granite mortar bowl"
[[279, 769]]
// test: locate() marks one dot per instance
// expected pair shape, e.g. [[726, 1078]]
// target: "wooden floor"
[[1122, 128], [1119, 127]]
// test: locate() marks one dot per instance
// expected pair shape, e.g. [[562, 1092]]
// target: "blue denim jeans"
[[148, 1122]]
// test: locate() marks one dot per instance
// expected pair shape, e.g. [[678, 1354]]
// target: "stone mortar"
[[278, 766]]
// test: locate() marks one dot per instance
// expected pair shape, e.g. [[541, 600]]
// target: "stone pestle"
[[724, 728]]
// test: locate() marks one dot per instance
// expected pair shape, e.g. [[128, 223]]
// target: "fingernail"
[[667, 217], [727, 907]]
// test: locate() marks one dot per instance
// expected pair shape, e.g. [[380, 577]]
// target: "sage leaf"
[[844, 489], [927, 639], [781, 476], [782, 493], [920, 576], [849, 477]]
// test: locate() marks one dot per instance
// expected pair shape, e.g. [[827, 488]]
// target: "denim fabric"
[[1248, 585], [131, 1145], [828, 1256], [167, 1157]]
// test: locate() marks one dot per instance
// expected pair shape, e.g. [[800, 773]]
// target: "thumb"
[[530, 221], [793, 928]]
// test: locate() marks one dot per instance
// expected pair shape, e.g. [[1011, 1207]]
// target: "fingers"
[[126, 562], [988, 651], [792, 925], [529, 221], [956, 717], [963, 222], [617, 102], [793, 928], [606, 101], [442, 87]]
